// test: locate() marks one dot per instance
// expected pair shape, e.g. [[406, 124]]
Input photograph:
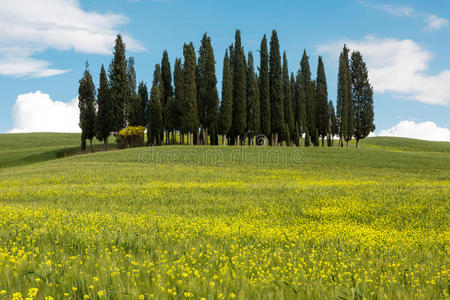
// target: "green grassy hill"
[[225, 222]]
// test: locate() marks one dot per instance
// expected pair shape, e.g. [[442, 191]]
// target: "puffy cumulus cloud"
[[423, 131], [30, 27], [399, 66], [37, 112]]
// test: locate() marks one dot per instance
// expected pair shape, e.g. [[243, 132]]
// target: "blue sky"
[[405, 43]]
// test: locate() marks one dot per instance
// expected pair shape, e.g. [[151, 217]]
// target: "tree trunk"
[[191, 138], [238, 140], [276, 139], [346, 142], [206, 136], [92, 145], [224, 137], [105, 142], [357, 143], [323, 138]]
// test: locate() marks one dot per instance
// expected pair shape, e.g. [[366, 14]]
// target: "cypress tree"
[[322, 119], [344, 98], [264, 88], [276, 89], [253, 106], [208, 95], [86, 104], [178, 79], [287, 93], [295, 131], [362, 94], [165, 88], [133, 103], [239, 90], [305, 93], [119, 84], [225, 112], [142, 101], [104, 121], [189, 103], [154, 110], [334, 130]]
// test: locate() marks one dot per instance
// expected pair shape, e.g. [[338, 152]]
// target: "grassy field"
[[178, 222]]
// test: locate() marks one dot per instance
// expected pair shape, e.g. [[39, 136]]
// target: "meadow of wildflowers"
[[332, 223]]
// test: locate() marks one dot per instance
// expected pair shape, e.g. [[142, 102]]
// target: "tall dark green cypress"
[[334, 129], [142, 104], [287, 93], [239, 90], [362, 94], [86, 104], [154, 110], [305, 97], [322, 118], [189, 104], [165, 88], [276, 90], [295, 132], [104, 121], [208, 95], [264, 87], [178, 79], [226, 104], [344, 98], [119, 84], [253, 106], [133, 103]]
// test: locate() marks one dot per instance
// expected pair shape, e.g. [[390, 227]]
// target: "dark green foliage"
[[307, 137], [165, 85], [295, 135], [287, 93], [333, 125], [322, 119], [208, 99], [264, 94], [134, 103], [253, 106], [104, 121], [305, 96], [276, 88], [239, 112], [362, 94], [344, 98], [142, 101], [178, 79], [225, 113], [119, 84], [189, 116], [154, 111], [86, 104]]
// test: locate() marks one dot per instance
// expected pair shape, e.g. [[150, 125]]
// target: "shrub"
[[131, 136]]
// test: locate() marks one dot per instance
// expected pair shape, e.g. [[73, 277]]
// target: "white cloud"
[[30, 27], [433, 21], [423, 131], [37, 112], [399, 66]]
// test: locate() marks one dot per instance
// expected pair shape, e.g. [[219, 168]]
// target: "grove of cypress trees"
[[276, 90], [86, 104], [362, 94], [154, 111], [166, 88], [189, 117], [142, 97], [119, 84], [208, 99], [344, 98], [104, 121], [133, 102], [334, 129], [253, 106], [322, 119], [264, 89], [287, 93], [239, 111], [225, 112]]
